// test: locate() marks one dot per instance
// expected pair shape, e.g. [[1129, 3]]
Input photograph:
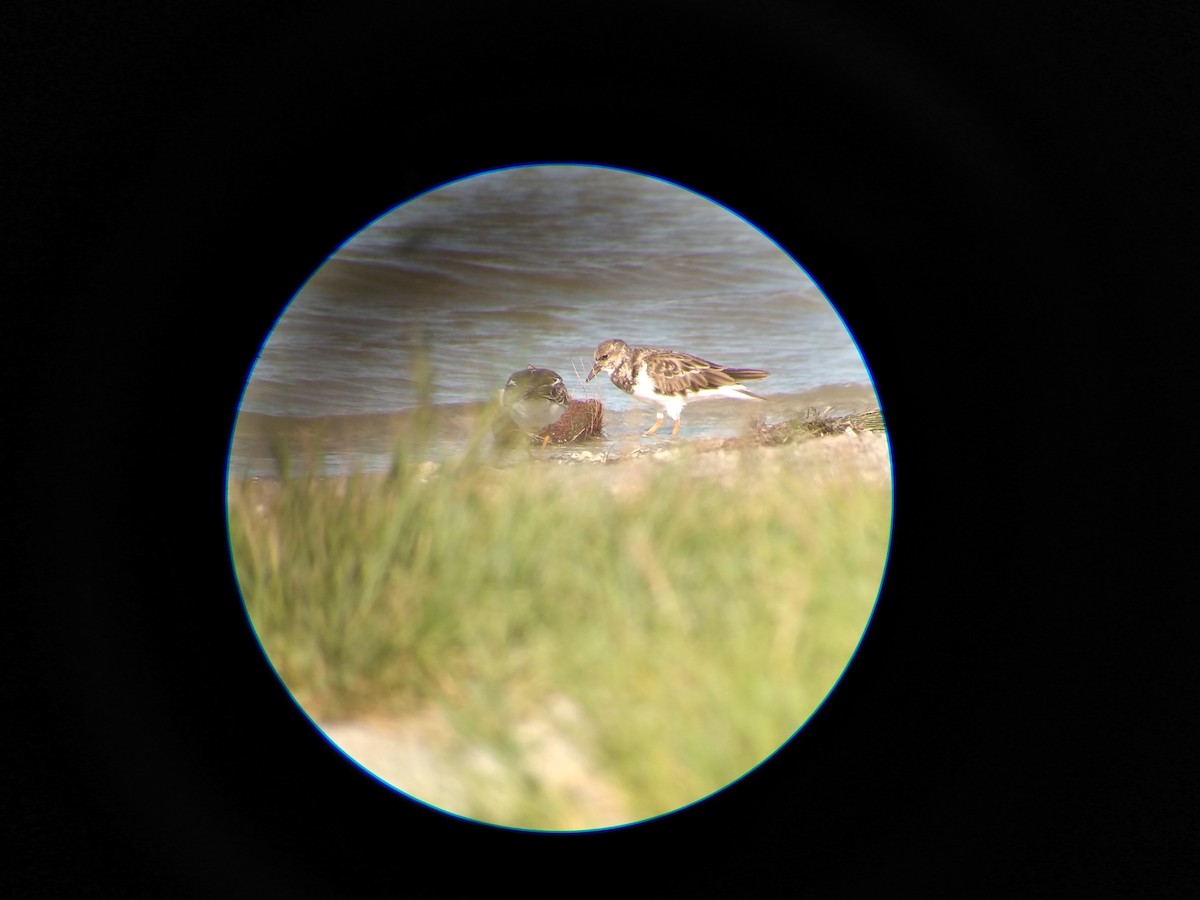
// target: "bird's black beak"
[[592, 374]]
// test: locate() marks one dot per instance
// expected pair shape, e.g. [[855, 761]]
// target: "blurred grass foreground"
[[567, 646]]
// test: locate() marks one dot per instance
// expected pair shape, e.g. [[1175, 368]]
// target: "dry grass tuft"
[[815, 424]]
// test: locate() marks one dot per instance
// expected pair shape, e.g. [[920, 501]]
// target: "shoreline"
[[862, 458], [368, 439]]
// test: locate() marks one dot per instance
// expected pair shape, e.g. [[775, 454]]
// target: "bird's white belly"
[[643, 389]]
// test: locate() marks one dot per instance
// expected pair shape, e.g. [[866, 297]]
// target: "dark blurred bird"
[[534, 399]]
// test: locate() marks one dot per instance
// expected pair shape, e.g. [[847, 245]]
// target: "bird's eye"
[[604, 356]]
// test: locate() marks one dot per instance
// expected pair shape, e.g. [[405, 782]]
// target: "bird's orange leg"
[[675, 430], [653, 428]]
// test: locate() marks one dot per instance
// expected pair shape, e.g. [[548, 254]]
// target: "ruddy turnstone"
[[669, 379], [534, 399]]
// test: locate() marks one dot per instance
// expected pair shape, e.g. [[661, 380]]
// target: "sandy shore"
[[627, 468], [422, 756], [865, 454]]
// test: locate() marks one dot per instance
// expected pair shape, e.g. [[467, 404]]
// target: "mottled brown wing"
[[677, 372], [746, 374]]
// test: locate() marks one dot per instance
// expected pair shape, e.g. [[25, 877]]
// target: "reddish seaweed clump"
[[583, 419]]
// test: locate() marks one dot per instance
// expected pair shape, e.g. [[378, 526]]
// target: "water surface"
[[454, 290]]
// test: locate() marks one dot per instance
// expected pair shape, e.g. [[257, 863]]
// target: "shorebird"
[[669, 379], [534, 399]]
